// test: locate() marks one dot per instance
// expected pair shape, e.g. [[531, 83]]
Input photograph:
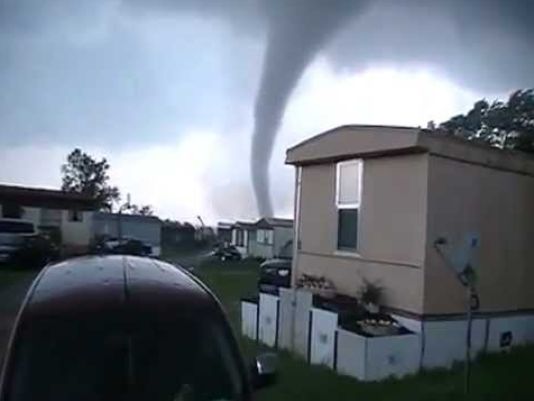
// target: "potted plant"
[[371, 296], [379, 326], [318, 285]]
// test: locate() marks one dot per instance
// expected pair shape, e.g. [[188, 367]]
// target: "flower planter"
[[371, 358], [327, 314]]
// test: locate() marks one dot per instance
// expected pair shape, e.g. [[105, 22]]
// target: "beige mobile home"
[[371, 202]]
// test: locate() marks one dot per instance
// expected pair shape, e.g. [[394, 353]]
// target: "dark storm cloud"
[[484, 44], [106, 78], [57, 78], [478, 42], [30, 18]]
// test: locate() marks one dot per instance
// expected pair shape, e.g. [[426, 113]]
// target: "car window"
[[91, 360], [16, 227]]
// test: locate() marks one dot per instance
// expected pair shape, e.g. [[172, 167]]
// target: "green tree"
[[145, 210], [507, 125], [83, 174]]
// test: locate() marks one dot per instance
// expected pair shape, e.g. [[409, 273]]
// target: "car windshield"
[[86, 359], [10, 239]]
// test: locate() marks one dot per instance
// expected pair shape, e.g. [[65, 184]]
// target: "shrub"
[[371, 293]]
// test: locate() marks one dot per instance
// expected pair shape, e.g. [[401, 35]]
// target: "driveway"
[[11, 296]]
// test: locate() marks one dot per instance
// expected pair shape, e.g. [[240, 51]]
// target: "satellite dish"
[[462, 257]]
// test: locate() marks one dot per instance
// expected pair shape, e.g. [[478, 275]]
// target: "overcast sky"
[[166, 91]]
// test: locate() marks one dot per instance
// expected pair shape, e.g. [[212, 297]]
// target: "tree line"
[[502, 124]]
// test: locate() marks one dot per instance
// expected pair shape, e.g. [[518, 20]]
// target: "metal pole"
[[126, 206], [468, 339], [119, 225]]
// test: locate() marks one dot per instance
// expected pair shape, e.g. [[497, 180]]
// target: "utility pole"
[[460, 262], [125, 206], [202, 227], [472, 305]]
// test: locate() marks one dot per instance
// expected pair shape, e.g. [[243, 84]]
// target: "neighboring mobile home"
[[274, 238], [241, 234], [66, 216], [267, 238], [371, 202], [224, 232]]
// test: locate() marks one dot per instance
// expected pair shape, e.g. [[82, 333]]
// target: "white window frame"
[[266, 237], [75, 216], [239, 232], [269, 237], [355, 205]]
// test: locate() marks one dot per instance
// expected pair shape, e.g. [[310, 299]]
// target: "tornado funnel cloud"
[[276, 86], [296, 33]]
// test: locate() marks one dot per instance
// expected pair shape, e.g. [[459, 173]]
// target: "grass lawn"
[[10, 275], [494, 377]]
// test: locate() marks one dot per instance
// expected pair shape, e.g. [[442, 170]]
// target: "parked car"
[[226, 253], [35, 252], [132, 246], [124, 246], [133, 329], [13, 234], [274, 273]]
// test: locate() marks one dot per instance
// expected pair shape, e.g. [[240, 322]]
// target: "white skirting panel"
[[377, 358], [268, 319], [303, 306], [392, 356], [517, 329], [286, 318], [351, 354], [249, 320], [443, 342], [323, 337]]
